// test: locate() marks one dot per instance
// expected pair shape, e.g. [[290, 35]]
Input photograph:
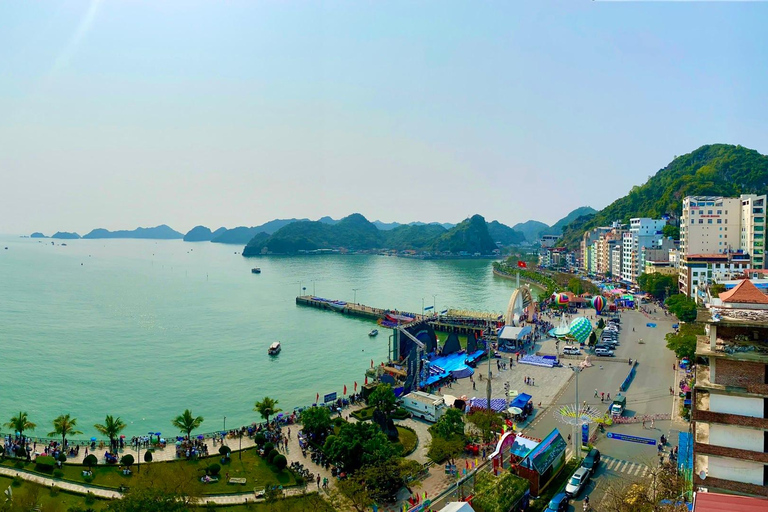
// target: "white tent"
[[457, 506]]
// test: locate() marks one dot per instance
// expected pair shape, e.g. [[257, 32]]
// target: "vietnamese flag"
[[521, 264], [345, 390], [366, 380], [317, 398], [355, 386]]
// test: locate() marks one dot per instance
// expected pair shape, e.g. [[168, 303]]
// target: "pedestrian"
[[671, 391], [652, 421], [533, 382], [595, 392], [643, 423], [602, 396], [473, 385], [673, 366], [608, 397], [318, 481]]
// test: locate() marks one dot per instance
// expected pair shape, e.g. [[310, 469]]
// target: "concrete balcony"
[[729, 349], [701, 463], [702, 415], [703, 382], [734, 453]]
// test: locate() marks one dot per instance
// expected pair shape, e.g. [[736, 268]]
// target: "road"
[[648, 394]]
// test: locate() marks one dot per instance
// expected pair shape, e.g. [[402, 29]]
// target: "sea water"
[[144, 329]]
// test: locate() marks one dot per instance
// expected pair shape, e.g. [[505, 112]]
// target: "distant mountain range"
[[161, 232], [355, 232], [711, 170], [533, 229]]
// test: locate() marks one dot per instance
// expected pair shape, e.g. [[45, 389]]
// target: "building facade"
[[699, 270], [643, 232], [730, 395]]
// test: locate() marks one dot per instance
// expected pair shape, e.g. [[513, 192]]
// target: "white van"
[[571, 350]]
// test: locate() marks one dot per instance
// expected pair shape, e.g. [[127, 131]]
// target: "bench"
[[240, 481]]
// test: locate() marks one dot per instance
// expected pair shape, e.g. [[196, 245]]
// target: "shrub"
[[259, 439], [90, 499], [268, 447], [54, 491], [338, 422], [127, 460], [271, 455], [17, 481], [18, 464], [57, 473], [401, 414], [62, 458], [148, 457], [213, 470], [280, 462], [90, 460], [45, 463], [225, 450], [88, 478]]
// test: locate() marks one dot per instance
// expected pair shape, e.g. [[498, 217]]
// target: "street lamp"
[[354, 301], [434, 304], [313, 287], [422, 306], [576, 426], [488, 388]]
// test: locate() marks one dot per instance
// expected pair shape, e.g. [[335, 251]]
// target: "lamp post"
[[422, 306], [434, 304], [313, 287], [225, 424], [299, 288], [240, 450], [354, 301], [577, 434], [488, 388]]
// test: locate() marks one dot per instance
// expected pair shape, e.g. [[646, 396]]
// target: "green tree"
[[20, 423], [111, 428], [497, 493], [449, 425], [445, 448], [353, 492], [592, 339], [186, 422], [682, 307], [671, 231], [358, 444], [716, 289], [148, 456], [267, 407], [90, 460], [574, 285], [683, 342], [383, 399], [148, 500], [601, 324], [316, 422], [64, 426], [486, 423], [385, 479], [127, 460], [658, 285]]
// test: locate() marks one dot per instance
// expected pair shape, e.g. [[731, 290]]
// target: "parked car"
[[592, 460], [571, 350], [604, 352], [611, 343], [559, 503], [577, 482]]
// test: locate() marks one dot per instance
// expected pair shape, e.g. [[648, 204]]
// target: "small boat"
[[255, 270], [274, 349], [374, 332]]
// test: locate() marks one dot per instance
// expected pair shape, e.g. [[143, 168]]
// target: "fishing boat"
[[374, 332], [255, 270], [274, 349]]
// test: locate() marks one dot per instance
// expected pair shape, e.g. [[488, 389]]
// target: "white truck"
[[424, 405]]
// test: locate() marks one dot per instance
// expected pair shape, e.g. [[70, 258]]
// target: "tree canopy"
[[316, 422], [658, 285], [682, 307], [683, 342], [486, 423], [186, 422], [450, 424], [383, 399], [358, 444], [267, 407]]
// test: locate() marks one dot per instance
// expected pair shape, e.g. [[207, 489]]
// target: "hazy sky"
[[118, 114]]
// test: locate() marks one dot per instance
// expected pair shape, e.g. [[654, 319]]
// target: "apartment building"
[[730, 395], [589, 250], [698, 270], [549, 240], [722, 225], [643, 232]]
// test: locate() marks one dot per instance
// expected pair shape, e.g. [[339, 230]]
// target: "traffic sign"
[[631, 439]]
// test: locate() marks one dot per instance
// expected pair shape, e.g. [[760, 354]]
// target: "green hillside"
[[469, 236], [504, 234], [418, 238], [531, 229], [557, 227], [716, 169]]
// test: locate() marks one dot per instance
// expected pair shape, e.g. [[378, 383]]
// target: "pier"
[[438, 323]]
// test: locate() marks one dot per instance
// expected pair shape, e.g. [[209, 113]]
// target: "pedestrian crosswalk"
[[626, 467]]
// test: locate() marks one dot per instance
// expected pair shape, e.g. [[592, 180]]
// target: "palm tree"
[[111, 428], [267, 408], [20, 423], [64, 426], [185, 422]]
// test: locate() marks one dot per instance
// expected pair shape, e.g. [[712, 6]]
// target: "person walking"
[[595, 392]]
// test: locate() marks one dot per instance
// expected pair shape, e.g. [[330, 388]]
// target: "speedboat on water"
[[255, 270], [374, 332], [274, 349]]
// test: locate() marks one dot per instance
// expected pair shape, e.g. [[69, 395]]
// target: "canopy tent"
[[521, 400], [457, 506], [511, 335], [497, 404]]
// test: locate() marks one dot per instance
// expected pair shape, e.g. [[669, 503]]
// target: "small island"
[[37, 234], [65, 235], [161, 232]]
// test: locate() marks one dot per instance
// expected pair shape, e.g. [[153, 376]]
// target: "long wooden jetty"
[[438, 323]]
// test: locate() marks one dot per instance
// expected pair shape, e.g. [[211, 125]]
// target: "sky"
[[119, 114]]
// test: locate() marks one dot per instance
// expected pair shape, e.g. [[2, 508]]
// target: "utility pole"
[[355, 299], [576, 426], [434, 304], [488, 390]]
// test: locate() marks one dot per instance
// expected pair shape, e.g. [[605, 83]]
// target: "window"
[[719, 221], [709, 212], [709, 221], [701, 221], [719, 212]]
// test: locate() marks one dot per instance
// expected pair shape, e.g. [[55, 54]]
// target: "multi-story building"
[[721, 225], [643, 232], [605, 245], [730, 396], [549, 240], [588, 249], [698, 270], [753, 227], [616, 253]]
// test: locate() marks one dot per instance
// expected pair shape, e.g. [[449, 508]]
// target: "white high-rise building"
[[643, 232], [753, 227]]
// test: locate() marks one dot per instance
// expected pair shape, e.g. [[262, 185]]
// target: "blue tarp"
[[685, 450], [520, 400]]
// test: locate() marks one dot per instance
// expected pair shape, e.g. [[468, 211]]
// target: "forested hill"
[[715, 170], [355, 232]]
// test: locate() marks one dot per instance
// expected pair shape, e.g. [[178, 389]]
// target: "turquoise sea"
[[144, 329]]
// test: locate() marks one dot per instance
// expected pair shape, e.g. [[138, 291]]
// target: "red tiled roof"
[[744, 293], [716, 502]]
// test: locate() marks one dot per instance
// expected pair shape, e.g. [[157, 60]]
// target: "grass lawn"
[[407, 441], [252, 467], [63, 500]]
